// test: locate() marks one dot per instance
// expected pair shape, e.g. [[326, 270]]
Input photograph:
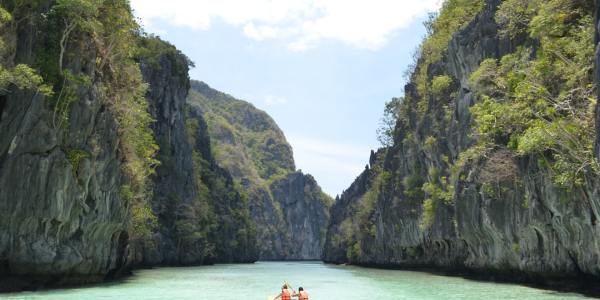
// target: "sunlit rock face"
[[62, 220], [597, 73], [289, 208], [193, 227], [173, 184], [524, 228], [306, 213]]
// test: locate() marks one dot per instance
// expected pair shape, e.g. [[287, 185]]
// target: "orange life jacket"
[[286, 295], [302, 295]]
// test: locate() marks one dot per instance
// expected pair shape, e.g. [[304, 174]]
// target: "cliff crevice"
[[290, 210], [439, 198]]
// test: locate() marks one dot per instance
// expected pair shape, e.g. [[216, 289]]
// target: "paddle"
[[288, 285]]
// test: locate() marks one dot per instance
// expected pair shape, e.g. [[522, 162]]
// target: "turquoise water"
[[257, 281]]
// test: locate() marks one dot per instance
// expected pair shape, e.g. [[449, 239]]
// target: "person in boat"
[[301, 294], [285, 294]]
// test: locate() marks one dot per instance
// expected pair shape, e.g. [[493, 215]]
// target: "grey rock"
[[173, 185], [597, 74], [64, 222], [59, 224], [290, 210], [306, 216], [182, 236], [527, 229]]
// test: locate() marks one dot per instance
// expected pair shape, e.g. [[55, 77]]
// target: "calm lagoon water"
[[259, 280]]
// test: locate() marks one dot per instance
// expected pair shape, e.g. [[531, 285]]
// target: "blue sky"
[[322, 69]]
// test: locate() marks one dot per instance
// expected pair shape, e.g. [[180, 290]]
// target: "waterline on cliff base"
[[257, 281]]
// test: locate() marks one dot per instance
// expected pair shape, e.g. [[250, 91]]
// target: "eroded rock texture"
[[61, 219], [174, 187], [194, 227], [290, 210], [597, 73], [523, 228], [306, 215], [64, 219]]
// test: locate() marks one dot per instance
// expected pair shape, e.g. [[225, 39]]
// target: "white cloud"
[[328, 148], [262, 32], [334, 164], [274, 100], [302, 24]]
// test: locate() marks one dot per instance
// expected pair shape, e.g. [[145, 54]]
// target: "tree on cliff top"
[[387, 124]]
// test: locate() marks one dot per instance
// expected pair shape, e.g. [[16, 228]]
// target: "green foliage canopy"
[[541, 100]]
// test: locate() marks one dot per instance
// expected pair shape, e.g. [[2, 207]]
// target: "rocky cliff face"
[[597, 72], [247, 141], [234, 232], [522, 227], [194, 227], [63, 220], [67, 200], [289, 207], [174, 185], [306, 216]]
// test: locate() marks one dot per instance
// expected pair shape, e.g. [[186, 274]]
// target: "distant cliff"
[[491, 170], [289, 207]]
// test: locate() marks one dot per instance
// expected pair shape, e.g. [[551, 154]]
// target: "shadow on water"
[[322, 281], [558, 287]]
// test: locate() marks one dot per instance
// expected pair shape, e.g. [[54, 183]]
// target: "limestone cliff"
[[305, 209], [597, 72], [102, 167], [289, 207], [62, 218], [194, 226], [431, 200]]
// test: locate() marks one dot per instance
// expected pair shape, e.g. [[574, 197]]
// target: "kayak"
[[270, 298]]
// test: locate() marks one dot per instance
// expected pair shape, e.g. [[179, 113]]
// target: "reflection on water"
[[259, 280]]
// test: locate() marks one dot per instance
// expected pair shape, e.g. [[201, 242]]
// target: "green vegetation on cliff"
[[248, 143], [289, 207], [222, 216], [94, 152], [434, 91], [453, 16], [246, 140], [21, 75], [64, 75], [537, 100], [488, 157], [540, 99]]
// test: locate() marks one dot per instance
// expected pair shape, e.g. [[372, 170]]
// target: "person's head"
[[300, 289], [284, 286]]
